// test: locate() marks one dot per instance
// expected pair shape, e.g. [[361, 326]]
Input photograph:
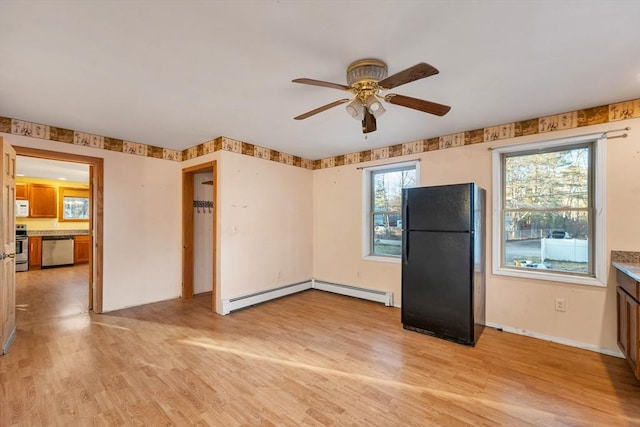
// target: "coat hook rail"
[[203, 204]]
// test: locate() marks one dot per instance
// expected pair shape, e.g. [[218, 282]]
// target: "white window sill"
[[377, 258], [553, 277]]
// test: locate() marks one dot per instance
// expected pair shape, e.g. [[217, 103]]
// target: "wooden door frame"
[[96, 183], [187, 228]]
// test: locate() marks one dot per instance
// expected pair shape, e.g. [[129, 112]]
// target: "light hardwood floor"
[[313, 358]]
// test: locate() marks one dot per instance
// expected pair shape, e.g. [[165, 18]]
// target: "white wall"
[[512, 302], [202, 235], [142, 234], [265, 224]]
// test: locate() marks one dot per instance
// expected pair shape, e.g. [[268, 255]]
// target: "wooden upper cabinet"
[[21, 191], [42, 201]]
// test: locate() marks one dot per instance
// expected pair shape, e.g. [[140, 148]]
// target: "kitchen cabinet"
[[21, 191], [35, 252], [628, 295], [81, 249], [42, 201]]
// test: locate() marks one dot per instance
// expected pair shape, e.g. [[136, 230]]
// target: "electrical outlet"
[[560, 305]]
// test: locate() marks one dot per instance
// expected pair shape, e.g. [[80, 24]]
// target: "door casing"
[[96, 184], [187, 228]]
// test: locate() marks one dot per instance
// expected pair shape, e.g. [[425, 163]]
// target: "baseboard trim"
[[233, 304], [367, 294], [563, 341]]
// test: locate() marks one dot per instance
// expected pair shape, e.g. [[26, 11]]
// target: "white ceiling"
[[31, 167], [178, 73]]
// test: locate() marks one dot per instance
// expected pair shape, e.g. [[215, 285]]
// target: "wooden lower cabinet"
[[629, 327], [81, 249], [35, 252]]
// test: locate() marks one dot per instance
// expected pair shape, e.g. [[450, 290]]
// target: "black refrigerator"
[[443, 261]]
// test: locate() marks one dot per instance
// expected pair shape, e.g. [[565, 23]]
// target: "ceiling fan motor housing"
[[366, 71]]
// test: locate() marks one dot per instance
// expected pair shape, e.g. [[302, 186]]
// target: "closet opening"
[[199, 222]]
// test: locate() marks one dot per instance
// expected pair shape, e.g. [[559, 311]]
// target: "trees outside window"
[[384, 222], [547, 209]]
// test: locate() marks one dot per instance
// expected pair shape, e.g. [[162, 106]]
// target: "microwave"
[[22, 208]]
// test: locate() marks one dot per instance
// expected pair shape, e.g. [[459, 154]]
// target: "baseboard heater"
[[352, 291], [229, 305], [233, 304]]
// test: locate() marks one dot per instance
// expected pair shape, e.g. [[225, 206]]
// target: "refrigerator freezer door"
[[440, 208], [437, 285]]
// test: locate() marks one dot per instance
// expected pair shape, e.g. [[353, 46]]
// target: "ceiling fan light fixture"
[[367, 80], [356, 109], [375, 106], [366, 70]]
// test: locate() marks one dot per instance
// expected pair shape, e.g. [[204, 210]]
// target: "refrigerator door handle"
[[405, 232], [405, 249], [405, 215]]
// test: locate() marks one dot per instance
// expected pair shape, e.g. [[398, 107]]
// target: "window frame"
[[74, 192], [598, 255], [367, 206]]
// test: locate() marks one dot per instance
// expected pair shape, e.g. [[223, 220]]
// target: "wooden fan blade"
[[418, 104], [321, 109], [321, 83], [369, 122], [417, 72]]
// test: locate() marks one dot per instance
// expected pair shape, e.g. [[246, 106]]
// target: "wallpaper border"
[[570, 120]]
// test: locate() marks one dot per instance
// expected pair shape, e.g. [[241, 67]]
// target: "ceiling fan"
[[367, 80]]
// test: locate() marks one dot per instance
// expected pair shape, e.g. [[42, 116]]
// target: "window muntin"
[[547, 210], [385, 208]]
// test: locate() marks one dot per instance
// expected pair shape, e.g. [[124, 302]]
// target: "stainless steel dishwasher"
[[57, 250]]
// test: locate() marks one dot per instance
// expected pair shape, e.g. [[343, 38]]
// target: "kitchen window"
[[382, 202], [548, 211], [73, 204]]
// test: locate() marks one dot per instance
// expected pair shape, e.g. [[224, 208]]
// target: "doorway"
[[96, 190], [199, 230]]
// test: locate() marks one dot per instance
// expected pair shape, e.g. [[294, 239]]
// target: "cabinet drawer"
[[628, 284]]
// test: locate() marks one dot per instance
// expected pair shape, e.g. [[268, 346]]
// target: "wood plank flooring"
[[313, 358]]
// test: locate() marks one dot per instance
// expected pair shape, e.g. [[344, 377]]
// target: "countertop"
[[57, 232], [631, 269]]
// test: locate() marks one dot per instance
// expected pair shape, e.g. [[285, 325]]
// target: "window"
[[73, 204], [548, 216], [383, 206]]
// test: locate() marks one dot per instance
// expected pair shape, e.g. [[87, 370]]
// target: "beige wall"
[[280, 224], [265, 224], [523, 304], [142, 240]]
